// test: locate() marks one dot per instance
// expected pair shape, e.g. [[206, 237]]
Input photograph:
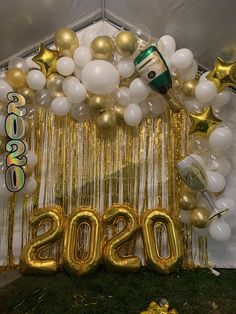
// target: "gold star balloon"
[[203, 123], [223, 74], [46, 59]]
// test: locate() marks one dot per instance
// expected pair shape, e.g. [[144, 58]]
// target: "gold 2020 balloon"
[[30, 260], [125, 43], [152, 256], [66, 41], [71, 261], [102, 47], [111, 253]]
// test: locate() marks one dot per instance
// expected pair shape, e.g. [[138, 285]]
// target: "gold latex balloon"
[[97, 102], [71, 262], [27, 170], [3, 141], [66, 41], [152, 256], [54, 82], [102, 47], [203, 123], [46, 59], [223, 74], [111, 253], [125, 43], [16, 77], [188, 87], [187, 201], [30, 260], [119, 110], [200, 217], [28, 93], [106, 120]]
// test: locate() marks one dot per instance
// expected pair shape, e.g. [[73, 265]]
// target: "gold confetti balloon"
[[66, 41], [106, 120], [187, 201], [27, 170], [200, 217], [28, 93], [125, 43], [102, 47], [54, 82], [16, 77], [188, 88]]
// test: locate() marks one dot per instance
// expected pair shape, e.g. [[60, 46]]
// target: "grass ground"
[[189, 291]]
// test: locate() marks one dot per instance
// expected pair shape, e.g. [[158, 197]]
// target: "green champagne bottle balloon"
[[153, 69]]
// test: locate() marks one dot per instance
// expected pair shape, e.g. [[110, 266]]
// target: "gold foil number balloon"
[[111, 254], [153, 257], [71, 262], [66, 41], [30, 260]]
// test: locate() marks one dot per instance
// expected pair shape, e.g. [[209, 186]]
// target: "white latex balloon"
[[222, 98], [65, 81], [61, 106], [138, 91], [132, 115], [221, 165], [65, 66], [221, 139], [215, 181], [203, 76], [36, 79], [17, 62], [185, 216], [226, 203], [5, 88], [75, 91], [82, 56], [100, 77], [126, 67], [205, 91], [182, 58], [190, 72], [88, 36], [78, 72], [219, 230], [32, 158], [193, 105], [30, 186], [199, 159], [167, 46], [2, 125], [122, 96]]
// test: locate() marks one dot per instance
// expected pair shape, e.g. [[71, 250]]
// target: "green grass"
[[189, 291]]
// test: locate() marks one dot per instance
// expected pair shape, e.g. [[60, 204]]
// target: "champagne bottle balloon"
[[194, 176], [153, 69]]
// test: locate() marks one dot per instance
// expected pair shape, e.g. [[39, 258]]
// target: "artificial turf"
[[189, 291]]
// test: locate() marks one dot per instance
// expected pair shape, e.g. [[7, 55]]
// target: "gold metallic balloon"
[[125, 43], [119, 110], [111, 253], [66, 41], [97, 102], [200, 217], [152, 256], [102, 47], [187, 201], [223, 74], [30, 260], [16, 77], [188, 87], [3, 141], [54, 82], [203, 123], [106, 120], [28, 93], [46, 59], [27, 170], [71, 262]]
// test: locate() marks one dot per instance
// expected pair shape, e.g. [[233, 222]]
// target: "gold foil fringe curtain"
[[78, 165]]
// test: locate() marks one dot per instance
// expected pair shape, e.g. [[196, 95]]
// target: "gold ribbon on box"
[[78, 166]]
